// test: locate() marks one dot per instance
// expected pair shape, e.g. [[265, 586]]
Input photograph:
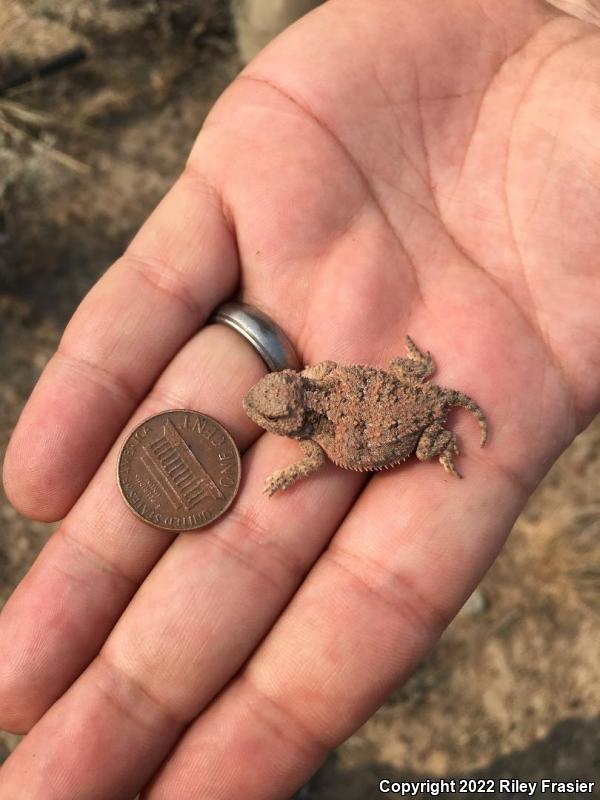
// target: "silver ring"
[[265, 336]]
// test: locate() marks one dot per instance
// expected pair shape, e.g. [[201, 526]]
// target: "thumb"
[[585, 10]]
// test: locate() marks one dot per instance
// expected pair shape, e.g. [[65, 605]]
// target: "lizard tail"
[[453, 399]]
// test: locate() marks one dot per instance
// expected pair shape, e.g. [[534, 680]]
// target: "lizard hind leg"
[[436, 441], [284, 478], [417, 367]]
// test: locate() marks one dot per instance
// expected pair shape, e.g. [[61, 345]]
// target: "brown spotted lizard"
[[362, 418]]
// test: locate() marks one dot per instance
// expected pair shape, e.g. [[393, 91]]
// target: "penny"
[[179, 470]]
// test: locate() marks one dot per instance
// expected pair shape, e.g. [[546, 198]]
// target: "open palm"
[[382, 169]]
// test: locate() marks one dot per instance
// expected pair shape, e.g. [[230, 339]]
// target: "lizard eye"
[[278, 413]]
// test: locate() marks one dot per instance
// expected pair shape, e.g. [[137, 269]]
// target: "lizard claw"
[[278, 480]]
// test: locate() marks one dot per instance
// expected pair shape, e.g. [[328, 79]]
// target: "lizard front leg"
[[314, 458], [318, 371], [417, 367]]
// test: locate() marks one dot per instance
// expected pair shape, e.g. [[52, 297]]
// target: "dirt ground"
[[512, 691]]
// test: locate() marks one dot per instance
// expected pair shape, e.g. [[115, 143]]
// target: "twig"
[[28, 115], [43, 119], [66, 59], [52, 152]]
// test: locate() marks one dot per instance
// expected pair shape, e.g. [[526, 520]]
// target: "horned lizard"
[[362, 418]]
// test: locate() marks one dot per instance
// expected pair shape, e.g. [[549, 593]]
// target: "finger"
[[59, 616], [585, 10], [178, 268], [369, 611], [189, 629]]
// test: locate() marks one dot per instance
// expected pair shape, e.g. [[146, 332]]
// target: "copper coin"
[[179, 470]]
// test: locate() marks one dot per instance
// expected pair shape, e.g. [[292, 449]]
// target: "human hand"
[[414, 167], [586, 10]]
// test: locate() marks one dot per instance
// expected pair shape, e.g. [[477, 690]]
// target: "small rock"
[[475, 605]]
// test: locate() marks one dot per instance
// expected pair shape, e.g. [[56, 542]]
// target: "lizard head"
[[276, 403]]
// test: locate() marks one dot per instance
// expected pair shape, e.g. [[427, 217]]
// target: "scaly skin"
[[362, 418]]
